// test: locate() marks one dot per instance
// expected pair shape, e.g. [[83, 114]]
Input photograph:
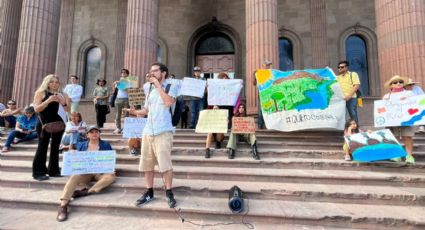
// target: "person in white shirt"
[[74, 92]]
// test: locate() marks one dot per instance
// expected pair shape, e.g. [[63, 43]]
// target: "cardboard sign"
[[135, 96], [133, 127], [301, 99], [193, 87], [88, 162], [378, 145], [223, 91], [407, 112], [243, 125], [212, 121]]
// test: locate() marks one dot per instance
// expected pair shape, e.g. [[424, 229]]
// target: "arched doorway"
[[214, 53], [356, 54]]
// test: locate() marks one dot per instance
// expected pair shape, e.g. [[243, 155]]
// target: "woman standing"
[[101, 96], [398, 93], [47, 102]]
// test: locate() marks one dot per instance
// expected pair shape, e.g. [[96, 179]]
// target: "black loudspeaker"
[[235, 199]]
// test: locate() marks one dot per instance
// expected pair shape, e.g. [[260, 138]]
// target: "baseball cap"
[[196, 68], [267, 62], [91, 127]]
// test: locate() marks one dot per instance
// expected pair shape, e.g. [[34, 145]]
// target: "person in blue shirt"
[[103, 180], [24, 130]]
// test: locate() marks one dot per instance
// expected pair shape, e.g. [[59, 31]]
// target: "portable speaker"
[[235, 199]]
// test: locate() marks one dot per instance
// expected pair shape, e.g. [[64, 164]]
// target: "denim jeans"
[[352, 109], [196, 106], [20, 135], [70, 138]]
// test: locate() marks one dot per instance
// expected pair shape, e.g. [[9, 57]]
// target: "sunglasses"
[[11, 103], [341, 67], [396, 82]]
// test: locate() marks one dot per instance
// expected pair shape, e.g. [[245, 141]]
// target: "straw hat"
[[411, 82], [395, 78]]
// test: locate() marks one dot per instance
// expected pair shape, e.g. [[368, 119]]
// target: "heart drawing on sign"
[[412, 111], [382, 110]]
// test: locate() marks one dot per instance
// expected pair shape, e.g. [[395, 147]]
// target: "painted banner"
[[243, 125], [223, 91], [133, 127], [212, 121], [88, 162], [193, 87], [301, 99], [374, 146], [135, 96], [129, 82], [407, 112]]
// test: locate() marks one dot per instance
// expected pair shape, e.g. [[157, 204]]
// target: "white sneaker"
[[347, 158], [421, 129], [117, 131]]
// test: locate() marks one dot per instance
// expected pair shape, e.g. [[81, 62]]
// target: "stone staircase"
[[301, 182]]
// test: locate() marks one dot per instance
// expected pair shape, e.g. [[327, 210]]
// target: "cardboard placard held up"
[[135, 96], [212, 121], [243, 125]]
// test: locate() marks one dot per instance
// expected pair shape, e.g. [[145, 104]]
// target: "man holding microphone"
[[157, 139]]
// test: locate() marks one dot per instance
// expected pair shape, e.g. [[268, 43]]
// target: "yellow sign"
[[212, 121]]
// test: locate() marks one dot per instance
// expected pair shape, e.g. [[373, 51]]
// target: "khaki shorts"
[[403, 131], [156, 150]]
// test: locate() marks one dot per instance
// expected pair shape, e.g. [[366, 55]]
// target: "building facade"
[[95, 39]]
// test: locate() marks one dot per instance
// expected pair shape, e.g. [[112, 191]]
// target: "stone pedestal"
[[262, 42], [400, 29], [141, 40], [36, 55], [10, 19]]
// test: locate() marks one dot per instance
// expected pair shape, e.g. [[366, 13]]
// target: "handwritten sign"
[[212, 121], [193, 87], [407, 112], [135, 96], [223, 91], [301, 99], [88, 162], [133, 127], [374, 146], [129, 82], [243, 125]]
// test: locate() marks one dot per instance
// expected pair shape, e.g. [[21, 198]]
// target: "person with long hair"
[[101, 95], [75, 131], [47, 101], [350, 128]]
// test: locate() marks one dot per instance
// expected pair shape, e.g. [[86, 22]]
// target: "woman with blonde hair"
[[47, 102]]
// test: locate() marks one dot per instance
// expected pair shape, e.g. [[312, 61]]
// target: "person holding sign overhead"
[[197, 104], [248, 137], [397, 94], [94, 143]]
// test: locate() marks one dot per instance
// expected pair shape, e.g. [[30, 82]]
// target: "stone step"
[[258, 211], [382, 195], [346, 177], [244, 160]]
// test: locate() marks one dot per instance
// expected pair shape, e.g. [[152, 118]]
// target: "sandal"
[[5, 149]]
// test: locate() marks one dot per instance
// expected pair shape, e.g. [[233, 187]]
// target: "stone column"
[[262, 42], [141, 39], [400, 29], [38, 37], [10, 18], [65, 39], [120, 38], [319, 38]]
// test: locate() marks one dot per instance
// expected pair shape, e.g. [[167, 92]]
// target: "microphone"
[[150, 87]]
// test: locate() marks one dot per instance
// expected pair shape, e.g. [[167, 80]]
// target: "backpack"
[[178, 106]]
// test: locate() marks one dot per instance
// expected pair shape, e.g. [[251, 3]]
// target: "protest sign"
[[223, 91], [301, 99], [374, 146], [243, 125], [135, 96], [212, 121], [193, 87], [129, 82], [133, 127], [407, 112], [88, 162]]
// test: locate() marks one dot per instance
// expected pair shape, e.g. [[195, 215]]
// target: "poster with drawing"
[[223, 91], [407, 112], [301, 99], [374, 146]]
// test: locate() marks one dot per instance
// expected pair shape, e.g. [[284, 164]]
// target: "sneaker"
[[410, 159], [171, 201], [347, 158], [134, 152], [117, 131], [421, 129], [5, 149], [144, 199], [396, 159]]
